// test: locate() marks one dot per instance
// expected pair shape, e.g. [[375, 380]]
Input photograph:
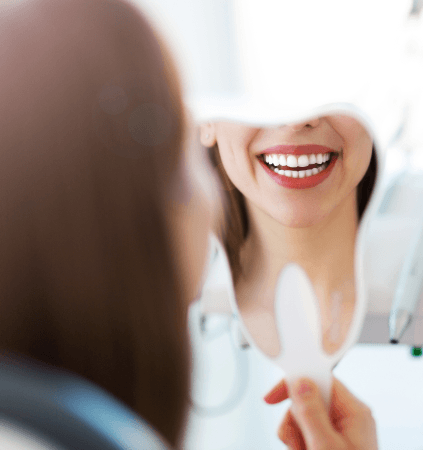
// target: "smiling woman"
[[295, 193]]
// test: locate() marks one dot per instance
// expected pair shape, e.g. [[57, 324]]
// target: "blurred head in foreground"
[[98, 200]]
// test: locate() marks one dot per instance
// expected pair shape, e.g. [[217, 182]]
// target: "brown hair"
[[92, 130], [234, 228]]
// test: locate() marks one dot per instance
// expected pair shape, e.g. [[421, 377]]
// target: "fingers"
[[344, 403], [277, 394], [310, 413], [349, 413], [290, 434], [308, 425]]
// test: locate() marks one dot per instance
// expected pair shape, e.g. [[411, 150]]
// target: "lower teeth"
[[299, 173]]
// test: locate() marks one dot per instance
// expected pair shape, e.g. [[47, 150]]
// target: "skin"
[[349, 424], [313, 227]]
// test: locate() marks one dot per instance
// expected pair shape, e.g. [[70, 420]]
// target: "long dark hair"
[[234, 229], [92, 127]]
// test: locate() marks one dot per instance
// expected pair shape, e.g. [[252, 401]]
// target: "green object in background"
[[416, 351]]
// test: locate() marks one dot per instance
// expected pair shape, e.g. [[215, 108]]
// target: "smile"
[[298, 167], [310, 164]]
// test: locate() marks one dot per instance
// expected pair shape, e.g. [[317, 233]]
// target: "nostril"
[[313, 123]]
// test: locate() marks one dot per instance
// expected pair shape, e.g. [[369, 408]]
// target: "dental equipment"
[[409, 287], [396, 217], [212, 318], [410, 282]]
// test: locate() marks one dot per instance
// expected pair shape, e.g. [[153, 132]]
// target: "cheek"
[[233, 141], [230, 159], [237, 171], [358, 146], [358, 163]]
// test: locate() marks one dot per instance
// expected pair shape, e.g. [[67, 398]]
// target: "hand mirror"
[[299, 191]]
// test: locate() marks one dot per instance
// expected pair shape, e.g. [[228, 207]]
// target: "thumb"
[[311, 415]]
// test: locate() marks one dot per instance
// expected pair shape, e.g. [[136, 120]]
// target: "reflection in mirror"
[[293, 193]]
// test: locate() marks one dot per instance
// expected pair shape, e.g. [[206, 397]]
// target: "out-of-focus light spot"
[[150, 124], [113, 100]]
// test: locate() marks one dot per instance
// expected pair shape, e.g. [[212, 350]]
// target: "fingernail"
[[273, 396], [303, 389]]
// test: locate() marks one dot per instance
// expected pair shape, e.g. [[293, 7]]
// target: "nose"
[[313, 123]]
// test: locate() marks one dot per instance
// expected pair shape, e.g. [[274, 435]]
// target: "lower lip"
[[301, 183]]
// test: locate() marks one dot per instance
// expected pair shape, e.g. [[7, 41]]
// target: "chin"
[[295, 220]]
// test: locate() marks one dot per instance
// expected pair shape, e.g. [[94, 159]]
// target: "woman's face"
[[279, 170]]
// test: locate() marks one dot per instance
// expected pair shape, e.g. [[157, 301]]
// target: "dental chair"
[[44, 408]]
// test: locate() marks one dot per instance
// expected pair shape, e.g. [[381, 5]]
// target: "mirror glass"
[[293, 193]]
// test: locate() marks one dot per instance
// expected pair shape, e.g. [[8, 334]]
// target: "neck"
[[325, 250]]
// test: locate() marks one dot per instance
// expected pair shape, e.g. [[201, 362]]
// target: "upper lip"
[[306, 149]]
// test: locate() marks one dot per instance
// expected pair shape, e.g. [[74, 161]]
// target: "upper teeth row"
[[297, 161]]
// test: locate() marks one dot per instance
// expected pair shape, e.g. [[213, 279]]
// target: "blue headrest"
[[69, 411]]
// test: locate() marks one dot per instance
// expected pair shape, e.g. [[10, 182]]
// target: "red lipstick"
[[299, 183]]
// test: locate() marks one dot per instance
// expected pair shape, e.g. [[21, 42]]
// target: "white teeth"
[[291, 161], [296, 161], [300, 173], [274, 161], [303, 161]]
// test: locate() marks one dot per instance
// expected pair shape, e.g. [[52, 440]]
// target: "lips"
[[298, 166]]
